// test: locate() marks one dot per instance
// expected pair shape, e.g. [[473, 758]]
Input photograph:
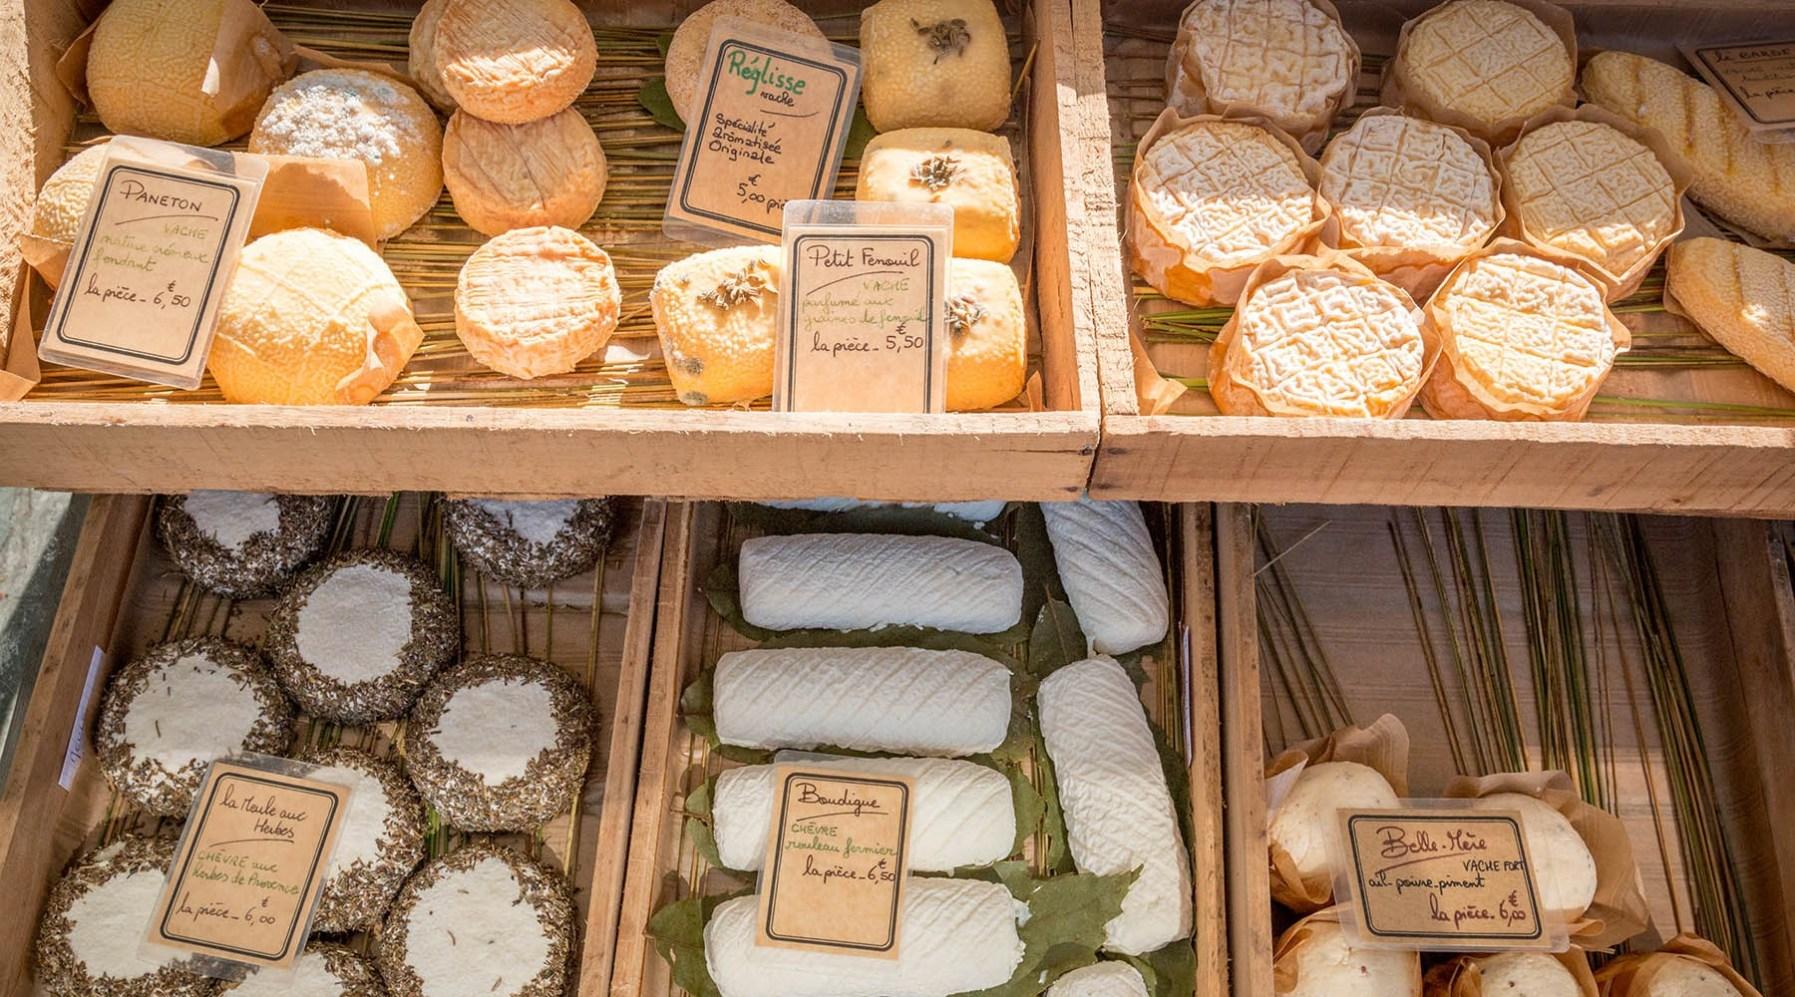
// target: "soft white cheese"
[[1111, 572], [497, 728], [190, 710], [472, 934], [365, 822], [355, 623], [897, 699], [537, 522], [1118, 808], [311, 977], [1103, 979], [107, 925], [850, 581], [231, 518]]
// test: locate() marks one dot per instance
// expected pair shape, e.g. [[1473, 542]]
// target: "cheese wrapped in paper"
[[853, 581], [1111, 572], [1289, 61]]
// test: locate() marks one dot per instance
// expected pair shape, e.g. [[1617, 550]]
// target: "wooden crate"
[[1627, 456], [664, 861], [611, 426], [123, 595], [1727, 586]]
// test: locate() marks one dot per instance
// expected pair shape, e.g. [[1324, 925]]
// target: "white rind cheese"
[[1118, 808], [1104, 979], [963, 814], [1110, 571], [898, 699], [958, 935], [851, 581], [976, 513]]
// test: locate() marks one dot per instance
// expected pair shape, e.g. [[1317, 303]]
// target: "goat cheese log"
[[899, 699], [1118, 808], [852, 581], [1111, 572], [958, 935], [1103, 979], [964, 814]]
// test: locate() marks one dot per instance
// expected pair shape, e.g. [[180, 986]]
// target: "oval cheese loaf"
[[852, 581], [1110, 571], [1104, 979], [1118, 808], [958, 935], [902, 699], [1743, 298], [964, 814]]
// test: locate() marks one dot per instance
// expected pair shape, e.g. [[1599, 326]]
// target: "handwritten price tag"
[[250, 866], [1758, 79], [836, 858], [1444, 880]]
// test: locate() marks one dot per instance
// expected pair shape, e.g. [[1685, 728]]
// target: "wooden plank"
[[1243, 754], [31, 803], [1208, 767]]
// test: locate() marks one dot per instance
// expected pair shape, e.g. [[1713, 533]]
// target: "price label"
[[1757, 79], [836, 859]]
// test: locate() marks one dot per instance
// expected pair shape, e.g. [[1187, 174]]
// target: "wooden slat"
[[1208, 849], [1243, 755]]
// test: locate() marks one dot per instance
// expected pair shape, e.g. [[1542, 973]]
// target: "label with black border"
[[250, 866], [1756, 78], [837, 851]]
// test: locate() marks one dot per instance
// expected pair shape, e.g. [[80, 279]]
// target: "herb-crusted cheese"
[[851, 581]]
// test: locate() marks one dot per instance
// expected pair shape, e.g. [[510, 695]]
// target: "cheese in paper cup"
[[1630, 975], [1463, 976], [1375, 963], [1382, 747], [1619, 910], [1185, 272], [1398, 89], [1615, 285]]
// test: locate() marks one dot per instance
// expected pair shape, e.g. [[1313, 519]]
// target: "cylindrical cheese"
[[1118, 808], [1111, 572], [963, 814], [852, 581], [958, 935], [1103, 979], [900, 699]]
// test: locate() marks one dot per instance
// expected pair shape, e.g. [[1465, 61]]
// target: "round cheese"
[[1304, 827], [1587, 189], [546, 172], [1286, 60], [62, 202], [1325, 964], [311, 318], [192, 71], [1565, 869], [421, 63], [1399, 181], [717, 316], [536, 301], [1527, 974], [514, 60], [934, 62], [685, 53], [1490, 63], [1688, 978], [92, 916], [971, 172], [374, 119], [987, 330]]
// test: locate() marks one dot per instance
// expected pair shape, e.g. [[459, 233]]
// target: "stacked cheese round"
[[512, 61], [987, 331], [934, 62], [550, 171], [1288, 61], [969, 171], [536, 301]]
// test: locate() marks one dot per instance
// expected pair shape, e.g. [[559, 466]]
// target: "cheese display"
[[1737, 176], [311, 318], [1118, 808], [717, 317], [358, 635], [1410, 197], [1303, 834], [1316, 959], [530, 544], [836, 581], [685, 53], [367, 117], [1532, 973], [1211, 199], [512, 61], [1743, 298], [480, 920], [380, 842], [934, 63], [1687, 978], [964, 814], [1320, 337], [1288, 61], [193, 71], [976, 513], [969, 171], [1567, 870], [242, 544], [959, 935], [550, 171], [1586, 188], [169, 713], [323, 970], [93, 917], [1103, 979], [500, 742], [1110, 571], [1522, 337], [987, 328], [898, 699], [1487, 65], [421, 63], [536, 301], [58, 210]]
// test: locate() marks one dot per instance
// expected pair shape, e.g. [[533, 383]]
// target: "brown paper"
[[1417, 269], [71, 66], [1396, 91], [1616, 286], [1444, 396], [1185, 273], [1462, 977], [314, 193], [1630, 975], [1382, 747], [1619, 910], [1185, 92], [1156, 394], [1236, 398], [19, 348], [1283, 971]]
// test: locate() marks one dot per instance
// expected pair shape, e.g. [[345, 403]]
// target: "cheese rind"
[[1118, 807], [958, 935], [1103, 979], [851, 581], [963, 814], [1111, 572], [1289, 61], [900, 699], [1743, 298]]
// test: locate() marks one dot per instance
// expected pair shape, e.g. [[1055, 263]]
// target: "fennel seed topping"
[[935, 172], [962, 314], [945, 38], [735, 289]]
